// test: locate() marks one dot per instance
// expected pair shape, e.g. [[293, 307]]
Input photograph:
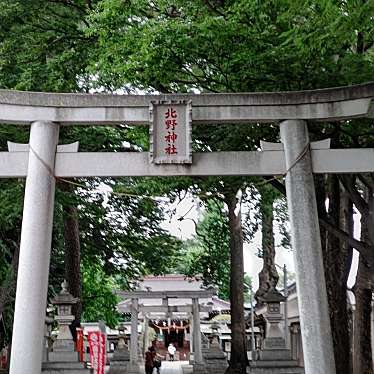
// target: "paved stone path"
[[171, 367], [167, 367]]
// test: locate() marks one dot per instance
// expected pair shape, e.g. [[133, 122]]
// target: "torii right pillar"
[[306, 243]]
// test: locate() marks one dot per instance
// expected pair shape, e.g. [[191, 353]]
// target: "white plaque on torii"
[[170, 132]]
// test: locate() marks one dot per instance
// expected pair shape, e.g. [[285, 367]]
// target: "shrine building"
[[166, 313]]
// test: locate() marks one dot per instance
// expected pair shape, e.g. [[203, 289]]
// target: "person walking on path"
[[171, 350], [149, 360], [157, 360]]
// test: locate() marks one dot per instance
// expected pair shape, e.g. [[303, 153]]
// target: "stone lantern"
[[215, 333], [120, 361], [64, 302], [64, 358], [215, 327], [214, 358], [274, 335], [122, 336], [274, 357]]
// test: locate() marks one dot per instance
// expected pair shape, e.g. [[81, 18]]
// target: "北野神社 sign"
[[170, 132]]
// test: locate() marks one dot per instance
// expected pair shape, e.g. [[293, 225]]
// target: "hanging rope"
[[83, 186], [171, 327], [304, 151]]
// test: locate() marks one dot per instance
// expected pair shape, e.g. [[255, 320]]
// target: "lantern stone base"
[[275, 343], [286, 367], [119, 363], [63, 357], [64, 363], [275, 361], [64, 345], [275, 367], [65, 368], [275, 355], [215, 360]]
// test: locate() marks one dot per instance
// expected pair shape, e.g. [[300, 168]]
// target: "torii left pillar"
[[35, 249], [198, 356], [134, 336]]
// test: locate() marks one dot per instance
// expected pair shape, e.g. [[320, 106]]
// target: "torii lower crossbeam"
[[129, 164]]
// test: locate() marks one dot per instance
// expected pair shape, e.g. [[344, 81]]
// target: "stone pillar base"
[[187, 369], [133, 369]]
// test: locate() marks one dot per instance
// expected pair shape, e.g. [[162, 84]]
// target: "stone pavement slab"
[[171, 367]]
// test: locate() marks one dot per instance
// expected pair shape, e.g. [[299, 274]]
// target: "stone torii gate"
[[194, 309], [42, 161]]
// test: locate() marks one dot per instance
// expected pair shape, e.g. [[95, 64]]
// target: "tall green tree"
[[208, 253], [281, 45], [268, 276], [44, 48]]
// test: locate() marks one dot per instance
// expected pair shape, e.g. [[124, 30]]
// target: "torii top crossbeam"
[[101, 109], [184, 294]]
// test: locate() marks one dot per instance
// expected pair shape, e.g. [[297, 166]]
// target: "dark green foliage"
[[232, 46], [169, 46], [43, 47]]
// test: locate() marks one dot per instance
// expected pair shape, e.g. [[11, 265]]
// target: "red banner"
[[80, 344], [4, 358], [96, 341]]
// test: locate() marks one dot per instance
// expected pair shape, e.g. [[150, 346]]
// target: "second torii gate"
[[194, 309], [42, 161]]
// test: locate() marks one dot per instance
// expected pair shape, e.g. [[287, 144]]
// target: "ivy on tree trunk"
[[238, 356], [72, 252], [268, 276]]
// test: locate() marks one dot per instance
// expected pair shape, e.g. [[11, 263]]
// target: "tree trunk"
[[73, 256], [363, 290], [9, 286], [336, 257], [72, 251], [347, 223], [238, 358], [268, 276], [362, 358]]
